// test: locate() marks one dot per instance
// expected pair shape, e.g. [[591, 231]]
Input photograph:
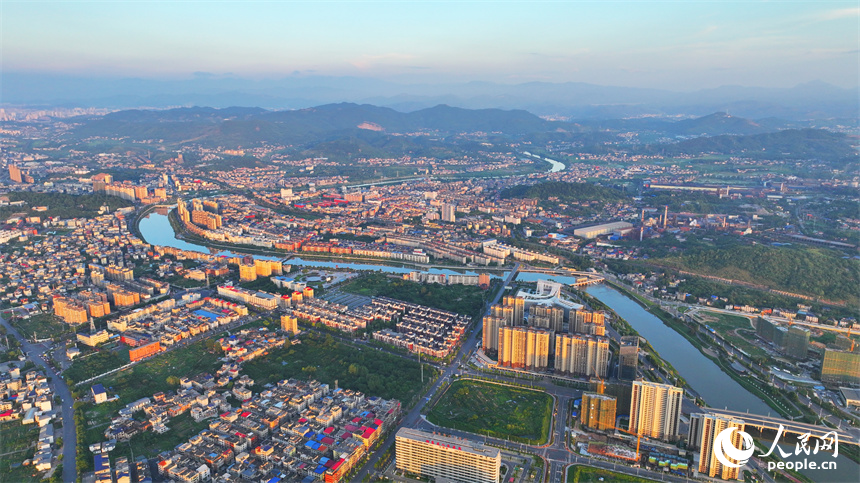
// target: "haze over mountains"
[[573, 100], [347, 129]]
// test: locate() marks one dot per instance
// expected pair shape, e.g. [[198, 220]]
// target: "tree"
[[173, 380]]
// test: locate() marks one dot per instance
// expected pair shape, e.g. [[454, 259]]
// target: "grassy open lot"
[[462, 299], [727, 322], [149, 377], [500, 411], [93, 364], [43, 325], [725, 325], [14, 437], [364, 369], [583, 474]]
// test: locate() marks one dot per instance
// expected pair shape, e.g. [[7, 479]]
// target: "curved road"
[[412, 418], [70, 439], [555, 453]]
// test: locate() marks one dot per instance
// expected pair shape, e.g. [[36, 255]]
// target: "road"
[[555, 452], [413, 418], [60, 388]]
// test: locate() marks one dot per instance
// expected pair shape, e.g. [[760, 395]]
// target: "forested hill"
[[564, 192], [809, 271], [248, 125], [787, 144]]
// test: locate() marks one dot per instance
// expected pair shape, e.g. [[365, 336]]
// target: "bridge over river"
[[848, 436]]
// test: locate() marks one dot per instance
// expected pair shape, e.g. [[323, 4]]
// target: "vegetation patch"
[[365, 369], [727, 324], [61, 205], [461, 299], [500, 411], [149, 377], [584, 474], [43, 326], [810, 271], [92, 365], [17, 443], [564, 192]]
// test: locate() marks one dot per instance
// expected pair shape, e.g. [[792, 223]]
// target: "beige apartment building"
[[446, 458]]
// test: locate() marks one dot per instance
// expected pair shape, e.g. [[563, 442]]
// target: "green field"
[[499, 411], [149, 377], [364, 369], [587, 474], [15, 437], [725, 325], [43, 325], [462, 299], [93, 364]]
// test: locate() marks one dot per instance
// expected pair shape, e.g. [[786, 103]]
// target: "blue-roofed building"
[[207, 314], [99, 393]]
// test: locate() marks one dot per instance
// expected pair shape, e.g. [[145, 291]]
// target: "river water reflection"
[[705, 377]]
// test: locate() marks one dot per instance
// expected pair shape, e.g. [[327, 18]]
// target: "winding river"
[[705, 377]]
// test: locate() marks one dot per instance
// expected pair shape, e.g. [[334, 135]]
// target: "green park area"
[[495, 410], [17, 443], [587, 474], [43, 326], [94, 363], [365, 369], [736, 330], [462, 299]]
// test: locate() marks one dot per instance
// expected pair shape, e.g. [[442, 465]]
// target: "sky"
[[682, 45]]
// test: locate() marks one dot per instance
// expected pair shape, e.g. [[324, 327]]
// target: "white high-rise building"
[[655, 410], [703, 432], [448, 211], [446, 458]]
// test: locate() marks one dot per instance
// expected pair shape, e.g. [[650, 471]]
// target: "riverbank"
[[204, 245], [627, 329], [778, 403]]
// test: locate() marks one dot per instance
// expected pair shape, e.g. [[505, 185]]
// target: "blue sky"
[[678, 45]]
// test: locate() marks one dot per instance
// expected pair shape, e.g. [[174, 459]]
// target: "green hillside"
[[809, 271]]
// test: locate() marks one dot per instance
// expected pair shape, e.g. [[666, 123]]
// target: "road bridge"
[[773, 423]]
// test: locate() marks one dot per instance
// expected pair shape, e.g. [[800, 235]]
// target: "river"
[[156, 230], [555, 166], [705, 377]]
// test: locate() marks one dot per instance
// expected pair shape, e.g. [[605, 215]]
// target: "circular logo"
[[725, 449]]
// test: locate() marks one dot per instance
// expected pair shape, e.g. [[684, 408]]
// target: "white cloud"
[[840, 13]]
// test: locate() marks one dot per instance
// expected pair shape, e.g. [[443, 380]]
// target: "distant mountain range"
[[573, 100], [239, 125], [347, 129]]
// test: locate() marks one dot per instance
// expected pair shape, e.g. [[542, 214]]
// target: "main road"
[[70, 438], [555, 452], [413, 418]]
